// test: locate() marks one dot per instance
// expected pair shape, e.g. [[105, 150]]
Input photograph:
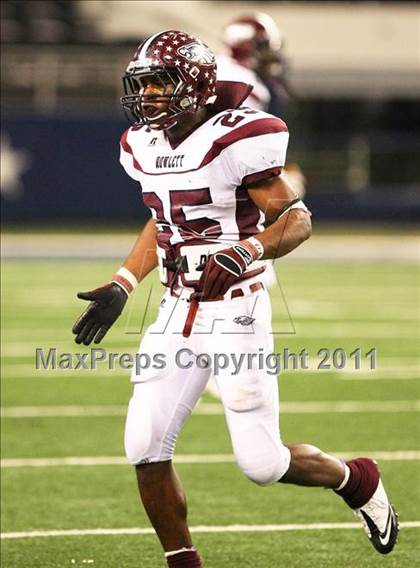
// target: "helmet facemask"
[[137, 104]]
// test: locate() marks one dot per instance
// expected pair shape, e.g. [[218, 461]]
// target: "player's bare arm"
[[108, 301], [142, 258], [289, 226]]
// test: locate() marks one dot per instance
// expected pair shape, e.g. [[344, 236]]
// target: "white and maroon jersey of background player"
[[228, 69], [196, 189]]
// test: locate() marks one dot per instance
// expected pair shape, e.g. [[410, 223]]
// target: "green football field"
[[62, 453]]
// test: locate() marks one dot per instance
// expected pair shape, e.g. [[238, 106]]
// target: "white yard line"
[[108, 460], [17, 370], [299, 407], [62, 411], [197, 529], [350, 406], [379, 375], [403, 455], [333, 406]]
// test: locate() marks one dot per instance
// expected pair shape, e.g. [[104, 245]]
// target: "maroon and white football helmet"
[[251, 37], [183, 65]]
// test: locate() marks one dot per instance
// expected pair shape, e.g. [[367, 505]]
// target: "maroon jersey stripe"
[[254, 128], [127, 148], [264, 174], [247, 214]]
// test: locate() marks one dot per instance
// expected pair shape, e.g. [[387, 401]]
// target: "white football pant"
[[164, 398]]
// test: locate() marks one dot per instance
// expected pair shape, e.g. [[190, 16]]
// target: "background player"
[[210, 175], [256, 57], [255, 54]]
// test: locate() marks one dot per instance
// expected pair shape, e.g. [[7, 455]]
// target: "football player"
[[209, 170], [255, 56]]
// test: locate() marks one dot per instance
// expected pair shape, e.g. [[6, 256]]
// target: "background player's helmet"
[[253, 40], [175, 59]]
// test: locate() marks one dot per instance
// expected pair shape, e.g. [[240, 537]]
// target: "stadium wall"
[[66, 169]]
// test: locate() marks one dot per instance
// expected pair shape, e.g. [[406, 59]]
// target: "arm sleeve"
[[256, 153]]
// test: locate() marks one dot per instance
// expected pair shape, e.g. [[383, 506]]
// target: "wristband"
[[125, 279], [257, 245], [295, 204]]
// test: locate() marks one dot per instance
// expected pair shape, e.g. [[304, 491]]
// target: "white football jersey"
[[196, 190], [228, 69]]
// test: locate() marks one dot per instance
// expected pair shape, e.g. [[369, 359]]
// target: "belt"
[[237, 293], [179, 264]]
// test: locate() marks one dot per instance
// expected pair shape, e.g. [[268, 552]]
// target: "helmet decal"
[[197, 52]]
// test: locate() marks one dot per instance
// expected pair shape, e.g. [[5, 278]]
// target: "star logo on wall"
[[14, 163]]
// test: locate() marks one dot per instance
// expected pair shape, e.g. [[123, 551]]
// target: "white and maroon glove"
[[225, 267]]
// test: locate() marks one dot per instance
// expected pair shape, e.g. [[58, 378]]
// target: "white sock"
[[173, 552], [346, 477]]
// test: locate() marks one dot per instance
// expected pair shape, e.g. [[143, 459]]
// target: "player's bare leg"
[[357, 481], [166, 506], [312, 467]]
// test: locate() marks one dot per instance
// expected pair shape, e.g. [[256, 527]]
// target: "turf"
[[316, 305], [266, 550]]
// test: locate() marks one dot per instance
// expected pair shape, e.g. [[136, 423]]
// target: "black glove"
[[106, 304]]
